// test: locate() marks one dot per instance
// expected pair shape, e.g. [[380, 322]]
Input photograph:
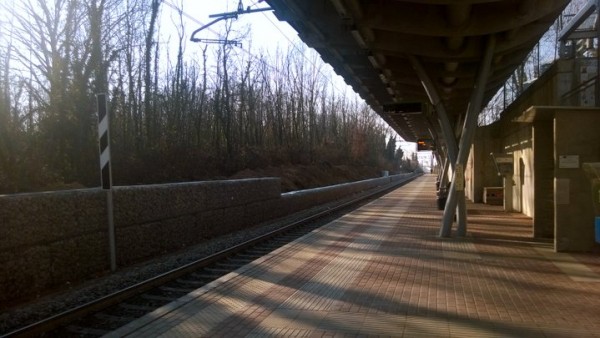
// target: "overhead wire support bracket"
[[219, 41], [225, 16], [195, 39], [243, 11]]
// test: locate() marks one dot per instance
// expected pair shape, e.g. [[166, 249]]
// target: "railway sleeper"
[[197, 283], [247, 255], [86, 330], [240, 261], [136, 307], [230, 265], [114, 318], [159, 298], [205, 277], [271, 248], [176, 289], [220, 271], [284, 240], [259, 252]]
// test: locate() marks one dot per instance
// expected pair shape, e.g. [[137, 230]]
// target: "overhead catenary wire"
[[192, 18], [258, 58]]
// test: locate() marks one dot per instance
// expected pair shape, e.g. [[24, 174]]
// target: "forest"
[[173, 117]]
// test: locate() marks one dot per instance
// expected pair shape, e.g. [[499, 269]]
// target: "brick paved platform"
[[382, 271]]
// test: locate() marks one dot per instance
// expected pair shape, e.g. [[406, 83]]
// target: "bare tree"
[[149, 85], [187, 121]]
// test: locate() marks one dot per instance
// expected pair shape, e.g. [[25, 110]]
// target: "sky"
[[265, 32]]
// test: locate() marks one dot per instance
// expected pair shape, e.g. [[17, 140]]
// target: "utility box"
[[493, 195]]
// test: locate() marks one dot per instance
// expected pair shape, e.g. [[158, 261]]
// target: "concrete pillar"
[[508, 192]]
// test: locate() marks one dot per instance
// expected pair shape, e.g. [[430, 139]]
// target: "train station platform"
[[382, 271]]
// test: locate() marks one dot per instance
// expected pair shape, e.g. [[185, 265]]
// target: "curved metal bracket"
[[195, 39], [224, 16]]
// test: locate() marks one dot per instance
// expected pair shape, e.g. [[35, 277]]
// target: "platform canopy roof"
[[368, 42]]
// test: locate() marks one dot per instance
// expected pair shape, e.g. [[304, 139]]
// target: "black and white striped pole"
[[106, 174]]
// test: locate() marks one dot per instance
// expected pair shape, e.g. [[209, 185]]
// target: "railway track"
[[110, 312]]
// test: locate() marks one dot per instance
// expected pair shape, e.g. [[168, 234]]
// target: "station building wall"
[[536, 129]]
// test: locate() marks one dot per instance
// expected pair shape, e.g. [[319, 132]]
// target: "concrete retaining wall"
[[303, 199], [48, 240]]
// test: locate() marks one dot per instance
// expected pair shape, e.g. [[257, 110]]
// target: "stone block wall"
[[48, 240], [156, 219]]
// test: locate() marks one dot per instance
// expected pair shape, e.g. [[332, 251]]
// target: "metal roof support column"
[[438, 162], [434, 98], [452, 150], [466, 139], [444, 174], [443, 165]]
